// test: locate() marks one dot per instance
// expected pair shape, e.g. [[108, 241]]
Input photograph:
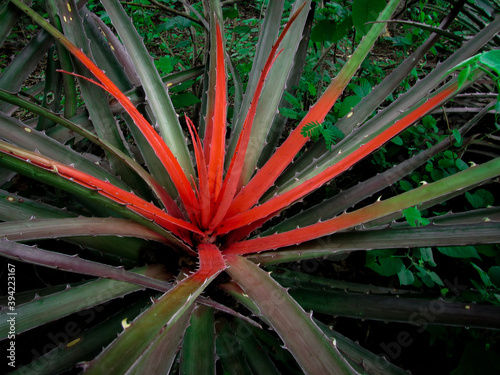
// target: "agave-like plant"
[[212, 201]]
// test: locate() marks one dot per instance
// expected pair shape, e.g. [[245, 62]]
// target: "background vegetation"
[[178, 44]]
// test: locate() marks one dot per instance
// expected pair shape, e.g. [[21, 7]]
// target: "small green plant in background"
[[326, 130], [205, 244]]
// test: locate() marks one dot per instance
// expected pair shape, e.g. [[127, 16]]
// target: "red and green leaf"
[[379, 209], [215, 135], [166, 156], [267, 175], [232, 179], [281, 201], [104, 188]]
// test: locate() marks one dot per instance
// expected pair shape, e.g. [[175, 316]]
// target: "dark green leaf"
[[348, 104], [383, 262], [462, 165], [323, 31], [458, 137], [434, 277], [184, 99], [494, 274], [230, 13], [459, 251], [362, 88], [179, 22], [478, 358], [481, 198], [485, 278], [342, 29], [364, 11], [292, 99], [406, 277], [312, 130], [397, 140], [289, 113], [242, 29], [182, 44], [405, 185]]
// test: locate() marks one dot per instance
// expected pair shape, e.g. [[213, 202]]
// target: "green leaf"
[[242, 29], [364, 11], [331, 134], [157, 97], [430, 122], [176, 22], [405, 185], [312, 130], [198, 346], [492, 60], [184, 99], [427, 277], [434, 277], [437, 174], [342, 29], [494, 274], [384, 263], [488, 250], [462, 165], [485, 278], [348, 104], [406, 277], [464, 74], [283, 71], [159, 320], [164, 65], [257, 358], [84, 344], [311, 89], [323, 31], [362, 88], [414, 217], [230, 13], [70, 300], [159, 357], [311, 348], [397, 140], [231, 357], [292, 99], [459, 251], [15, 132], [458, 137], [426, 254], [289, 113], [481, 198]]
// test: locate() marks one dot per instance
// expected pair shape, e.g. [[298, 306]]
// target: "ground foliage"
[[177, 43]]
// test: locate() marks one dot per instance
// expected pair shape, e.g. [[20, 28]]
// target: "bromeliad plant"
[[215, 198]]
